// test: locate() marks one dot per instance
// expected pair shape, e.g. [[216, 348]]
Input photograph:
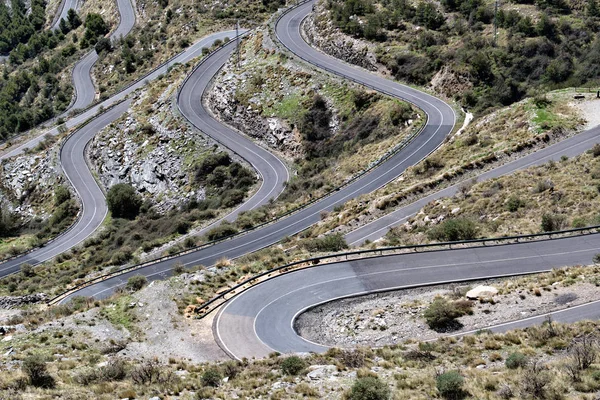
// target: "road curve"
[[62, 12], [94, 208], [441, 119], [73, 163], [85, 92], [260, 320], [272, 169]]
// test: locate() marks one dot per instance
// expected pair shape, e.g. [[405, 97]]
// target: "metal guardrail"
[[221, 298]]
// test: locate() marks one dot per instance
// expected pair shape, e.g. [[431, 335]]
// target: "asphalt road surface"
[[62, 11], [569, 147], [272, 170], [85, 91], [260, 320]]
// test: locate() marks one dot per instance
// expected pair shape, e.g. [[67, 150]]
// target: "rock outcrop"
[[481, 292], [320, 31], [156, 156], [29, 179], [8, 302]]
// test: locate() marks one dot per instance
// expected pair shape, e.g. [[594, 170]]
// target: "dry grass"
[[489, 141]]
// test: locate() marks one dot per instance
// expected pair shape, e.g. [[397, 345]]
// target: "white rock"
[[318, 372], [482, 292]]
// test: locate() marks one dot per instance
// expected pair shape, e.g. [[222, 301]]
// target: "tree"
[[73, 19], [102, 45], [64, 26], [450, 385], [369, 388], [6, 222], [123, 201], [95, 26], [61, 195]]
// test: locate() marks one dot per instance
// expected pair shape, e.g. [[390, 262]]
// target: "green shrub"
[[455, 229], [450, 385], [123, 201], [333, 242], [34, 367], [211, 377], [442, 314], [514, 203], [552, 222], [27, 270], [136, 282], [292, 365], [516, 360], [221, 231], [61, 195], [369, 388]]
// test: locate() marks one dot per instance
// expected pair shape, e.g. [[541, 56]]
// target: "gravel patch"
[[167, 333], [590, 110], [389, 318]]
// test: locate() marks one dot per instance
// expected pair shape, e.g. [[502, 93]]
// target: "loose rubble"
[[391, 318]]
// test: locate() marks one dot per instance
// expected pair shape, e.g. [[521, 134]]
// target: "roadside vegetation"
[[554, 196], [548, 361], [541, 45]]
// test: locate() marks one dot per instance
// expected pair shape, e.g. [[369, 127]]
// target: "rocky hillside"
[[137, 345], [329, 129]]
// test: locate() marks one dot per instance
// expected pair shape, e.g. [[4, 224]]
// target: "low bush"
[[292, 365], [516, 360], [455, 229], [369, 388], [34, 367], [553, 222], [123, 201], [450, 385], [441, 314], [221, 231], [135, 283], [211, 377], [333, 242]]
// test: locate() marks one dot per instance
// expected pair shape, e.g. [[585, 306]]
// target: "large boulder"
[[482, 292]]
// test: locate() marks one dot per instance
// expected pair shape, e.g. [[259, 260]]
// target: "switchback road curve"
[[72, 160], [260, 320], [85, 91], [441, 120]]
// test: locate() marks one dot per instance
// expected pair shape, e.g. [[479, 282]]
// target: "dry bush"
[[151, 371], [583, 352]]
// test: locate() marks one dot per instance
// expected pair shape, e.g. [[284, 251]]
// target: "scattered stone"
[[481, 292]]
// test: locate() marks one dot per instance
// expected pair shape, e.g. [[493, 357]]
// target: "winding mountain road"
[[85, 92], [72, 160], [261, 319]]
